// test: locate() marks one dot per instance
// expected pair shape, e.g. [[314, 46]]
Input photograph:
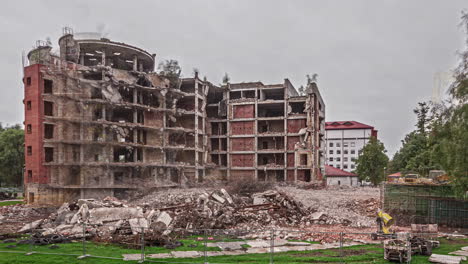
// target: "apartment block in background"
[[344, 140]]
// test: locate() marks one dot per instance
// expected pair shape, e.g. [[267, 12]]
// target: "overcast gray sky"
[[375, 59]]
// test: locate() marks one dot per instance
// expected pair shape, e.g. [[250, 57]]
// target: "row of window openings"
[[344, 159], [344, 151], [345, 166], [48, 130], [48, 107], [49, 153], [345, 144], [48, 84]]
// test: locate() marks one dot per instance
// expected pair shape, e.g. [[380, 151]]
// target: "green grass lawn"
[[353, 254], [10, 203]]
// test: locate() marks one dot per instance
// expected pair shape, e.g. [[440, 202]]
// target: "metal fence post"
[[341, 247], [83, 240], [31, 243], [204, 247], [272, 245], [142, 241], [409, 254]]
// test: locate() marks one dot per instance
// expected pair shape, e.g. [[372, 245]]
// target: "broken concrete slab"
[[317, 216], [31, 226], [218, 198], [213, 253], [185, 254], [259, 200], [101, 215], [164, 218], [445, 259], [138, 224], [230, 246], [159, 256], [258, 243], [234, 252], [257, 250], [227, 196], [460, 253], [128, 257], [280, 249], [294, 243]]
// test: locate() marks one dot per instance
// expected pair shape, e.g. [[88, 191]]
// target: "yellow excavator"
[[384, 221]]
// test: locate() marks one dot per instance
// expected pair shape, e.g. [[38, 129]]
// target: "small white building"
[[343, 141], [340, 177]]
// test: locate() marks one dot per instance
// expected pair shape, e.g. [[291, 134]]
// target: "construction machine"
[[384, 222]]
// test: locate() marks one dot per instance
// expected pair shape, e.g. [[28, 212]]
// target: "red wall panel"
[[242, 175], [244, 111], [290, 159], [34, 117], [242, 160], [295, 125], [290, 176], [242, 144], [242, 128]]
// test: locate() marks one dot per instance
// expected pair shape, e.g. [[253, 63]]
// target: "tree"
[[226, 78], [415, 152], [11, 155], [372, 161], [422, 112], [449, 135], [171, 70]]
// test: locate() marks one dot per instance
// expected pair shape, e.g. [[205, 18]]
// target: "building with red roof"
[[337, 176], [344, 140]]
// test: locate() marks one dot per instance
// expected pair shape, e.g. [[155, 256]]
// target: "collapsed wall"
[[100, 122]]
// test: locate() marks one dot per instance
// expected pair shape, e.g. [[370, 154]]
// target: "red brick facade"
[[34, 172]]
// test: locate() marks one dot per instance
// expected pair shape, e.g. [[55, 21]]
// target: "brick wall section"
[[242, 128], [34, 117], [295, 125], [242, 144], [244, 111], [242, 160], [242, 175]]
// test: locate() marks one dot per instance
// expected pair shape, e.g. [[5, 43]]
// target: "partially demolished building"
[[100, 122]]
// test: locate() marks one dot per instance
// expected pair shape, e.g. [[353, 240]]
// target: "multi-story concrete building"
[[344, 140], [99, 121]]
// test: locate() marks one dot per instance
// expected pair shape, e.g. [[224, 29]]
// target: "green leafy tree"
[[415, 152], [11, 155], [226, 78], [372, 161], [449, 135], [422, 112], [171, 70]]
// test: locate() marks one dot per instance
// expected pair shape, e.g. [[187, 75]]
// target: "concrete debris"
[[446, 259], [164, 218], [227, 196], [159, 213], [30, 226], [460, 253], [128, 257]]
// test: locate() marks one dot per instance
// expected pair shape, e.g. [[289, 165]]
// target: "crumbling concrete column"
[[135, 62]]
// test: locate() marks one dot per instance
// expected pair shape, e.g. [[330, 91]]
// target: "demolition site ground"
[[240, 223]]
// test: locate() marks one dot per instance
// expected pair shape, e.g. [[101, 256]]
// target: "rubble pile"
[[367, 207], [351, 206], [161, 213]]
